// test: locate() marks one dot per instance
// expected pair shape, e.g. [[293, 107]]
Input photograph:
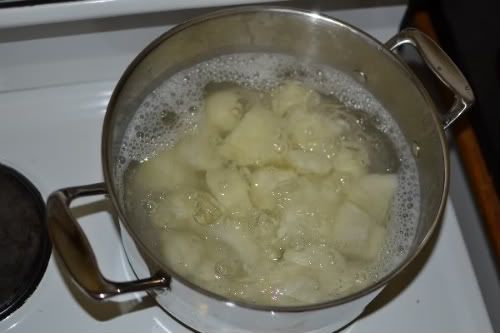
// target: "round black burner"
[[24, 241]]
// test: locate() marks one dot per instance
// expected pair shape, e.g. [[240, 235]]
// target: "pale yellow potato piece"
[[188, 254], [223, 110], [353, 158], [293, 94], [355, 234], [184, 208], [300, 220], [376, 241], [198, 150], [240, 240], [294, 282], [263, 182], [308, 209], [317, 195], [257, 140], [374, 194], [288, 205], [338, 284], [181, 203], [317, 257], [309, 162], [312, 131], [326, 263], [164, 172], [207, 210], [173, 211], [230, 188]]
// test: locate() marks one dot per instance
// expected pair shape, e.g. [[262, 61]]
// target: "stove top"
[[52, 136]]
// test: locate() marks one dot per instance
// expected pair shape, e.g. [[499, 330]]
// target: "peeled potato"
[[184, 206], [352, 158], [338, 285], [309, 162], [174, 210], [305, 195], [257, 140], [223, 110], [327, 199], [269, 198], [240, 241], [230, 188], [317, 257], [263, 182], [374, 193], [164, 172], [293, 94], [307, 206], [355, 234], [376, 241], [184, 250], [198, 150], [295, 282], [312, 131]]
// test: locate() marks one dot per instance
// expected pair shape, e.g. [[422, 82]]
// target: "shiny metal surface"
[[311, 37], [75, 251], [442, 66]]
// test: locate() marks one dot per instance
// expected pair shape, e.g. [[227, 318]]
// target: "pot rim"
[[313, 16]]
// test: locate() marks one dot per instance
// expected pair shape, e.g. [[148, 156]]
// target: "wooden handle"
[[479, 178]]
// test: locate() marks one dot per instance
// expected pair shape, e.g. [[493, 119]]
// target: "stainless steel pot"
[[319, 39]]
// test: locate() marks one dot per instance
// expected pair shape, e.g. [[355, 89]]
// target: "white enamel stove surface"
[[52, 135]]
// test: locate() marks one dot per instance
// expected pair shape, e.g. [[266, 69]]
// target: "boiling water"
[[172, 111]]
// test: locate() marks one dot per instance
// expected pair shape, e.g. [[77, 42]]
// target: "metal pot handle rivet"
[[442, 66], [76, 253]]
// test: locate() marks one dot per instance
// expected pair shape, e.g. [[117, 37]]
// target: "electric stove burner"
[[24, 241]]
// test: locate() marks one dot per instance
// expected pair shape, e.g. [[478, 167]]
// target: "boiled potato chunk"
[[315, 196], [269, 199], [257, 140], [174, 210], [164, 172], [309, 162], [263, 184], [317, 257], [299, 215], [295, 282], [355, 235], [308, 208], [206, 209], [198, 150], [293, 94], [374, 193], [376, 241], [188, 253], [338, 181], [339, 284], [352, 158], [230, 188], [223, 110], [181, 203], [328, 265], [312, 131], [183, 206], [240, 240]]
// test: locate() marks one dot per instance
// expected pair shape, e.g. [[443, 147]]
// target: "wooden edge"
[[485, 195]]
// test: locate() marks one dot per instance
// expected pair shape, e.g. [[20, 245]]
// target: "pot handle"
[[442, 66], [76, 253]]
